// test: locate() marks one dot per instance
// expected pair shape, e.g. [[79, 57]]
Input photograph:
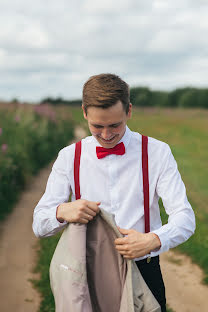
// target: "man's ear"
[[130, 111], [84, 114]]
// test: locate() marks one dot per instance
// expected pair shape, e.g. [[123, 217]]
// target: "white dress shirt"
[[116, 182]]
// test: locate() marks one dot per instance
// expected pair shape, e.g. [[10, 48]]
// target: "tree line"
[[145, 97]]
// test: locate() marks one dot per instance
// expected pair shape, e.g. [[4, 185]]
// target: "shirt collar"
[[125, 138]]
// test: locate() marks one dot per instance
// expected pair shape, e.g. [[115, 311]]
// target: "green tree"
[[140, 96], [203, 98], [189, 98], [160, 98]]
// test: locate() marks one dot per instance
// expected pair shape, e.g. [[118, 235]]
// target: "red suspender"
[[145, 182], [77, 156], [144, 171]]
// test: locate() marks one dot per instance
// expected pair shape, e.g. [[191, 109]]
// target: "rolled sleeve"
[[57, 191]]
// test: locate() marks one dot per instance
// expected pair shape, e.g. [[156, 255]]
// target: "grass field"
[[186, 132]]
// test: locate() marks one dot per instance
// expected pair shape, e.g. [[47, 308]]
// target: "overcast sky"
[[50, 48]]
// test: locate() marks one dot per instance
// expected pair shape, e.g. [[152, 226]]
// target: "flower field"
[[30, 137]]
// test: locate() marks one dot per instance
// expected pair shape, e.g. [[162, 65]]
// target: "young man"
[[112, 179]]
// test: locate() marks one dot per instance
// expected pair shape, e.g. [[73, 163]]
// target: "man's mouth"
[[107, 140]]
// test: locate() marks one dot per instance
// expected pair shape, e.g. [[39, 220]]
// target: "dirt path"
[[184, 290], [17, 249]]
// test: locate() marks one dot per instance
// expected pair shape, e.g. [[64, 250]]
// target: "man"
[[115, 183]]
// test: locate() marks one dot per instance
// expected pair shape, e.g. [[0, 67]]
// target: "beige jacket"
[[87, 274]]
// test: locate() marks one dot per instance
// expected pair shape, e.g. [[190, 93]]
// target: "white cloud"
[[53, 47]]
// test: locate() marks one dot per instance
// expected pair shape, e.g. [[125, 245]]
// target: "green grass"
[[45, 252], [186, 132]]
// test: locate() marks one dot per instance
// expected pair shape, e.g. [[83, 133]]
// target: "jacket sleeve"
[[57, 191], [171, 189]]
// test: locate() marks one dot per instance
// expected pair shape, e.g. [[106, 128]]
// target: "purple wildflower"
[[45, 110], [17, 118], [4, 147]]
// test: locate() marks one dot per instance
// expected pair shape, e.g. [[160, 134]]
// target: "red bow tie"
[[119, 149]]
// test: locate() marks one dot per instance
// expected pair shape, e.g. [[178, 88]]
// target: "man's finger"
[[123, 252], [94, 206], [122, 248], [90, 212], [120, 241], [88, 217], [124, 231], [83, 220]]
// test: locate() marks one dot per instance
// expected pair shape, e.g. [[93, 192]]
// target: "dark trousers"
[[152, 275]]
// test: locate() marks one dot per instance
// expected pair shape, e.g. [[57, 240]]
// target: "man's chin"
[[108, 144]]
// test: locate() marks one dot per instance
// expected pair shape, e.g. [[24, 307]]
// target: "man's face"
[[108, 125]]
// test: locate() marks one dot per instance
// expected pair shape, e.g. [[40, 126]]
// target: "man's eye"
[[114, 126], [95, 126]]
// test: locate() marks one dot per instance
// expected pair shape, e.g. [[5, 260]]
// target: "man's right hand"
[[79, 211]]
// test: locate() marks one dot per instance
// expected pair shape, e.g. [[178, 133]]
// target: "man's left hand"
[[136, 244]]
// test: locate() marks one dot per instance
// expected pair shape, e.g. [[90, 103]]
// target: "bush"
[[30, 136]]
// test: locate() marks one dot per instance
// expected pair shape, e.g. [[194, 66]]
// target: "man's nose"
[[106, 134]]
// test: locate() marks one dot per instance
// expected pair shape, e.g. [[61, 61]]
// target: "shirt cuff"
[[163, 239]]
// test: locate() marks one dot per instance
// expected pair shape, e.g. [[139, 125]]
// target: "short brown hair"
[[105, 90]]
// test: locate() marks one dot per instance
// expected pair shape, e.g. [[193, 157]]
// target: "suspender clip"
[[148, 259]]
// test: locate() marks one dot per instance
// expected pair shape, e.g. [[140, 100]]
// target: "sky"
[[50, 48]]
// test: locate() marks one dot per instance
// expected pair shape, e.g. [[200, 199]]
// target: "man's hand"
[[79, 211], [136, 244]]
